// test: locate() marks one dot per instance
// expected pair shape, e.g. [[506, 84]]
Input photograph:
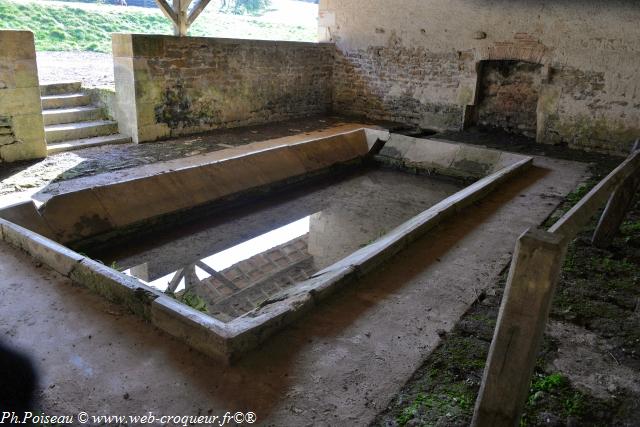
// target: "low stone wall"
[[168, 86], [21, 125]]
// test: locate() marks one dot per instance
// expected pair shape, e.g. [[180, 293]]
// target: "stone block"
[[22, 151], [16, 44], [115, 286], [29, 128], [153, 132], [26, 215], [26, 73], [17, 101], [397, 146], [150, 46], [7, 139], [44, 250], [200, 331], [121, 45]]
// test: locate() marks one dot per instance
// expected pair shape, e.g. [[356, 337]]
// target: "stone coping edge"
[[228, 341]]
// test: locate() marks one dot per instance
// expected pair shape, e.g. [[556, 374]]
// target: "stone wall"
[[169, 86], [21, 125], [417, 61]]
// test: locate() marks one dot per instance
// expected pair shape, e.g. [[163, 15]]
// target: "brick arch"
[[526, 51]]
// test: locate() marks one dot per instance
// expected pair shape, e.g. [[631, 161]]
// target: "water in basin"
[[227, 264]]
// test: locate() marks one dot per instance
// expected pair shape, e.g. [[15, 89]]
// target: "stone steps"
[[65, 100], [87, 143], [73, 114], [50, 89], [79, 130], [72, 122]]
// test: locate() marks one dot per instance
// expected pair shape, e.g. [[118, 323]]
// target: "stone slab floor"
[[339, 365]]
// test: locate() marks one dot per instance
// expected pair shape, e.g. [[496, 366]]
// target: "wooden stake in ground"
[[521, 322]]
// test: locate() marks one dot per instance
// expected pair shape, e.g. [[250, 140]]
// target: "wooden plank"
[[197, 10], [573, 221], [168, 11], [617, 206], [521, 322]]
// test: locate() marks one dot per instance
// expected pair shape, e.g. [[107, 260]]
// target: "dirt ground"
[[339, 365], [93, 69], [588, 372]]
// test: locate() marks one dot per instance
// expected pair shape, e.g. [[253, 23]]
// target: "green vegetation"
[[242, 7], [85, 27], [192, 300]]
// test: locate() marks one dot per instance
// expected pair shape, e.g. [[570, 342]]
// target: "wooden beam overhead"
[[168, 10], [195, 12]]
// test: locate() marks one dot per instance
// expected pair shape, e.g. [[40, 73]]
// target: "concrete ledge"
[[446, 158], [115, 286], [90, 211], [202, 332], [46, 251]]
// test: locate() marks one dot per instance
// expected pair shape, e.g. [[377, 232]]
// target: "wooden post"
[[180, 8], [617, 206], [521, 323]]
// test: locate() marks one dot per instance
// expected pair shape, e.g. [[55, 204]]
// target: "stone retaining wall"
[[21, 125], [168, 86]]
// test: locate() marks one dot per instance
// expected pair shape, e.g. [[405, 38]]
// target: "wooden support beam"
[[617, 206], [195, 12], [175, 281], [521, 323], [168, 11], [180, 8]]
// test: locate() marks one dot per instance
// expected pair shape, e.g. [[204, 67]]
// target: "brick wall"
[[168, 86], [21, 125], [508, 96], [406, 85], [417, 62]]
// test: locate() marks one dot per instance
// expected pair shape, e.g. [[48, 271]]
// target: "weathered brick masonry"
[[420, 62], [407, 85], [188, 85]]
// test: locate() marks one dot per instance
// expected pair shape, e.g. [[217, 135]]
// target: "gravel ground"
[[93, 69]]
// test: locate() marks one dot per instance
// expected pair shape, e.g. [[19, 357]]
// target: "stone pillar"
[[136, 92], [21, 125]]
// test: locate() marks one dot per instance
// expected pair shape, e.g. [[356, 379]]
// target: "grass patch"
[[73, 28]]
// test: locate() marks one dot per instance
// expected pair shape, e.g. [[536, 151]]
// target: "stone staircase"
[[71, 122]]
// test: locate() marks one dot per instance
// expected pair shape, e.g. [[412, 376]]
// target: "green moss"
[[554, 394]]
